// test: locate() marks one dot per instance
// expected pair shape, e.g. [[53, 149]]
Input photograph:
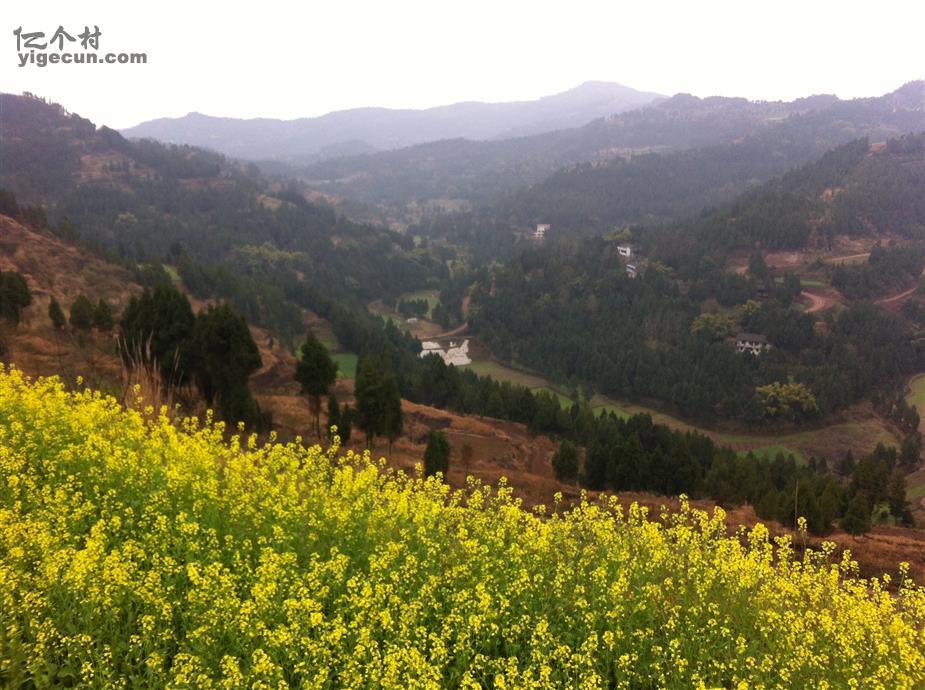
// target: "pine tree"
[[857, 518], [830, 503], [160, 325], [315, 372], [897, 496], [596, 461], [437, 454], [345, 429], [82, 313], [56, 314], [225, 355], [847, 465], [14, 297], [103, 320], [393, 417], [565, 462], [368, 390]]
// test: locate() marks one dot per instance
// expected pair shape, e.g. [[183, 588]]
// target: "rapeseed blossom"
[[137, 551]]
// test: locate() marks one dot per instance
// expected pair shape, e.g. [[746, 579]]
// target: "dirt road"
[[850, 259], [818, 302], [461, 328], [897, 298]]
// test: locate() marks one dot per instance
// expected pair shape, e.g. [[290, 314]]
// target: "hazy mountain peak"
[[383, 128]]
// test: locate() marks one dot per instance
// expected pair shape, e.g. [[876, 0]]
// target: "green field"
[[805, 282], [346, 361], [172, 272], [564, 401], [346, 364], [915, 493], [500, 372]]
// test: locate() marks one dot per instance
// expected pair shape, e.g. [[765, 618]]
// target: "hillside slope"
[[53, 266], [158, 552], [645, 338], [231, 232]]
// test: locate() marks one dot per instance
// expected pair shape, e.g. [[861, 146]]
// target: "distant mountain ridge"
[[481, 171], [362, 130]]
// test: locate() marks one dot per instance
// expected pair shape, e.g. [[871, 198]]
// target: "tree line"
[[652, 338], [212, 350]]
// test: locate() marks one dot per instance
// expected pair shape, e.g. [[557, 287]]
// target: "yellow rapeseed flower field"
[[141, 552]]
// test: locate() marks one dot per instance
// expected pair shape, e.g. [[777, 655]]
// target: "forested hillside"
[[787, 133], [652, 188], [856, 189], [230, 235], [666, 335]]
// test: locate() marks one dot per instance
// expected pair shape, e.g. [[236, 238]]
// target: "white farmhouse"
[[753, 343], [456, 353]]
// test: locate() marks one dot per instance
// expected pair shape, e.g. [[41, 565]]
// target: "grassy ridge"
[[140, 552]]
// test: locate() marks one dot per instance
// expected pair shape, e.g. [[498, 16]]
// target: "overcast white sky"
[[294, 59]]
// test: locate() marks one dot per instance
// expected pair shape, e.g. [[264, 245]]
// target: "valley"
[[463, 346]]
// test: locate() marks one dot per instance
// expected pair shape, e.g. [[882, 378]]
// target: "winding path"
[[459, 330], [897, 298], [818, 302], [841, 259]]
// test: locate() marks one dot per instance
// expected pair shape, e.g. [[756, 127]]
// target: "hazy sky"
[[295, 59]]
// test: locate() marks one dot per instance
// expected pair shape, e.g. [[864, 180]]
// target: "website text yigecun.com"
[[41, 59]]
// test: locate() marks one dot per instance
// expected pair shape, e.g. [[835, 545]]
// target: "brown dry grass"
[[52, 266], [500, 449]]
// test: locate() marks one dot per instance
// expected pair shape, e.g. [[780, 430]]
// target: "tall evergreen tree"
[[82, 313], [393, 417], [345, 429], [225, 357], [160, 325], [565, 462], [103, 319], [368, 390], [56, 314], [857, 518], [14, 297], [437, 453], [315, 372]]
